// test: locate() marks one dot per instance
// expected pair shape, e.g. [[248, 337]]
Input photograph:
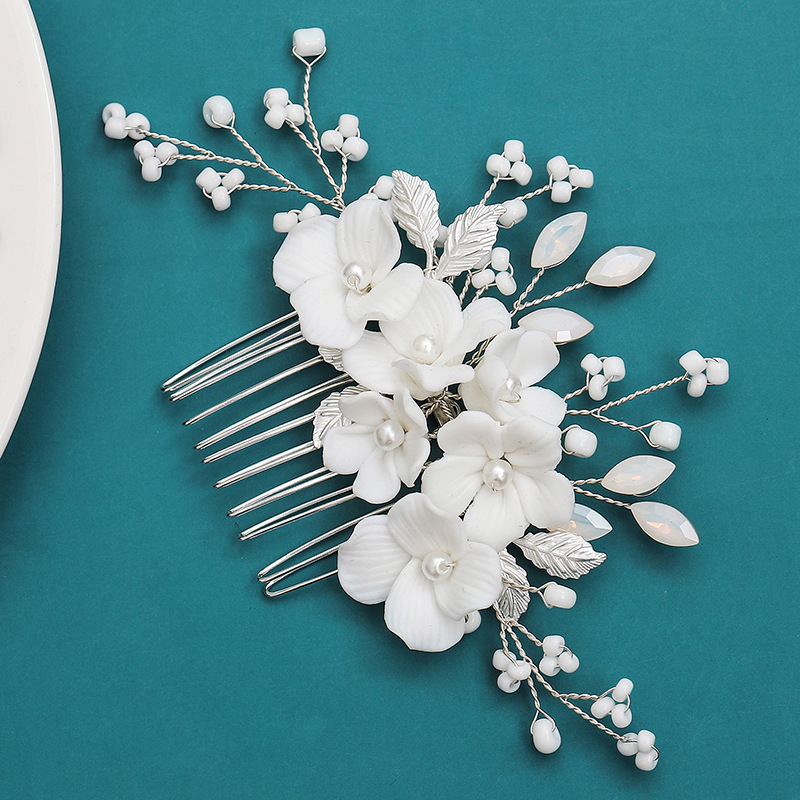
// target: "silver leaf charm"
[[332, 356], [560, 554], [470, 240], [416, 210], [513, 600], [328, 414]]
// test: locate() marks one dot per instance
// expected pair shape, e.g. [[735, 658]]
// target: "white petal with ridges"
[[531, 444], [409, 459], [474, 583], [366, 236], [538, 402], [495, 518], [391, 299], [483, 318], [471, 433], [319, 303], [420, 528], [346, 448], [377, 480], [370, 362], [308, 251], [547, 500], [452, 481], [367, 408]]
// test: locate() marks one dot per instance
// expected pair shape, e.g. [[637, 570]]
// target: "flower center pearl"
[[436, 566], [426, 348], [389, 434], [509, 392], [497, 474], [357, 277]]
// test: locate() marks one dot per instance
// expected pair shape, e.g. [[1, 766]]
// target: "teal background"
[[140, 659]]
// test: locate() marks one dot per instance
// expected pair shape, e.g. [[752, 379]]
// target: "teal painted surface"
[[139, 658]]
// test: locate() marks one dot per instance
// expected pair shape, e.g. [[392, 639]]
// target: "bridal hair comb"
[[430, 417]]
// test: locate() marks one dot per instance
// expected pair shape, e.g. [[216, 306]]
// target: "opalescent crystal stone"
[[558, 240], [587, 523], [620, 266], [664, 524], [560, 324], [637, 475]]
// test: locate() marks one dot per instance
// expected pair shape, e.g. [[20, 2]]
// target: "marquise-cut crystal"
[[558, 240], [637, 475], [620, 266], [560, 324], [664, 524], [586, 523]]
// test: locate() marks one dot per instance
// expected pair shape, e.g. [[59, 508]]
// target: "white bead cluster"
[[511, 164], [153, 159], [703, 371], [280, 109], [217, 186], [119, 125], [500, 273], [600, 372], [565, 178], [643, 746], [284, 221], [512, 671], [615, 703], [345, 139], [557, 657]]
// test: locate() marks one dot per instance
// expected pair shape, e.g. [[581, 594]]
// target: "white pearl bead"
[[514, 150], [501, 661], [509, 392], [515, 212], [558, 167], [506, 683], [581, 178], [561, 192], [505, 283], [356, 277], [697, 385], [598, 388], [220, 198], [621, 716], [308, 42], [234, 177], [629, 745], [602, 708], [482, 279], [295, 113], [144, 149], [348, 125], [498, 165], [115, 128], [592, 364], [436, 566], [166, 153], [218, 111], [521, 173], [665, 436], [389, 435], [134, 122], [546, 738], [208, 179], [355, 148], [614, 368], [580, 442], [559, 596], [275, 117], [441, 237], [519, 671], [568, 661], [113, 110], [622, 691], [331, 141], [425, 348], [384, 187], [500, 258], [276, 97], [284, 221], [646, 761], [692, 362], [497, 474], [552, 645], [308, 211], [645, 740], [549, 666], [151, 169], [473, 622], [717, 371]]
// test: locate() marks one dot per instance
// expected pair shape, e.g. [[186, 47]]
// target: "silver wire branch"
[[490, 190], [576, 393], [536, 192], [337, 201], [640, 393], [602, 497], [521, 299], [344, 175], [546, 298], [513, 657], [266, 188]]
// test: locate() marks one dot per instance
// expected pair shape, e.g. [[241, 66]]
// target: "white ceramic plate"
[[30, 206]]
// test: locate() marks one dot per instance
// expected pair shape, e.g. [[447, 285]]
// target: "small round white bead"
[[295, 113], [628, 746], [568, 662], [515, 212], [558, 167], [497, 474], [166, 153], [384, 187], [331, 141], [561, 192], [717, 371], [355, 148], [665, 436], [308, 42], [208, 179], [581, 178], [646, 761], [621, 716], [645, 740], [389, 435], [598, 388], [233, 178], [482, 279], [697, 385], [135, 123], [220, 198], [275, 117], [580, 442], [546, 737], [559, 596], [552, 645], [505, 283], [519, 671], [498, 166], [151, 169], [276, 97], [549, 666], [472, 622], [521, 173], [144, 149], [501, 661], [112, 110], [348, 125], [425, 348], [614, 368], [500, 258], [514, 150], [218, 111], [692, 362], [506, 683], [622, 691], [601, 708], [592, 364], [284, 221], [308, 211], [115, 128]]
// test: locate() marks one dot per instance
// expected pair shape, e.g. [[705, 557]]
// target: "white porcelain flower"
[[339, 273], [417, 558], [424, 351], [502, 475], [385, 444], [503, 383]]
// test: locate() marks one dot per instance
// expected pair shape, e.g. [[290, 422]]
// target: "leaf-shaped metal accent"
[[637, 475], [332, 356], [558, 240], [560, 554], [560, 324], [416, 210], [470, 240], [620, 266], [513, 600], [328, 414]]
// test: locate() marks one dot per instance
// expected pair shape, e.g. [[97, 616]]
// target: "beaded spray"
[[419, 357]]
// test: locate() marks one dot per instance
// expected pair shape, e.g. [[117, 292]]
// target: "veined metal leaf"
[[328, 414], [560, 554], [470, 240], [332, 356], [513, 600], [416, 210]]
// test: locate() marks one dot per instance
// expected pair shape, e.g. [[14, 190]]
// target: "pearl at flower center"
[[357, 277], [436, 566], [389, 434], [426, 348], [509, 392], [497, 474]]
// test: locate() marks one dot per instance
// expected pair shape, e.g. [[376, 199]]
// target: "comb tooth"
[[259, 437], [275, 408], [224, 349], [287, 373], [297, 484], [266, 464], [301, 511]]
